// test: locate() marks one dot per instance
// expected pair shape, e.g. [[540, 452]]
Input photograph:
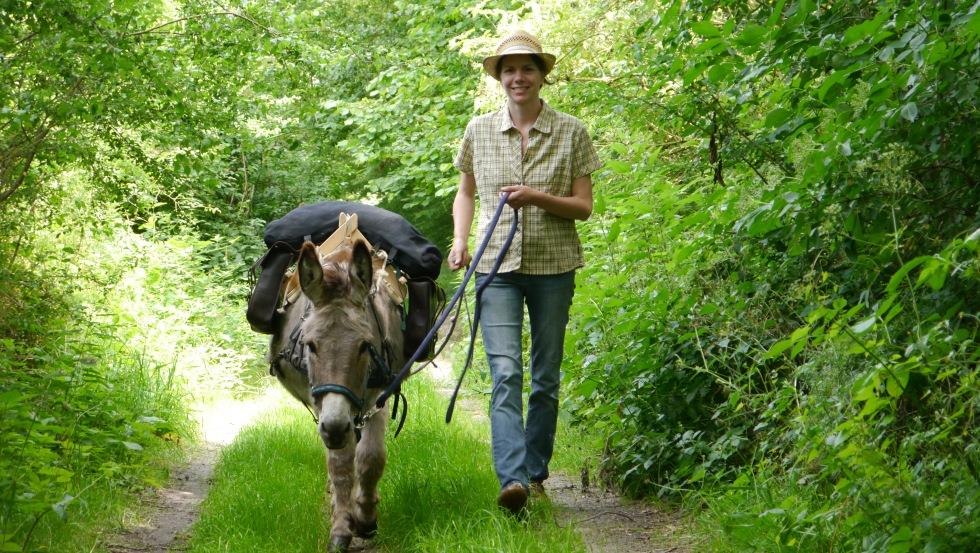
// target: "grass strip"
[[438, 493]]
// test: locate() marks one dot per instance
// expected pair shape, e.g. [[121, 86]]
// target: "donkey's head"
[[337, 334]]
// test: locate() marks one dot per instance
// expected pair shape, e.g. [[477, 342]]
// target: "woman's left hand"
[[520, 195]]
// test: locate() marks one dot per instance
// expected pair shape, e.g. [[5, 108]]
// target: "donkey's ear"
[[362, 266], [311, 274]]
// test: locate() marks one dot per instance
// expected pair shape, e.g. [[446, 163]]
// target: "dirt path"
[[170, 511], [166, 515], [607, 522]]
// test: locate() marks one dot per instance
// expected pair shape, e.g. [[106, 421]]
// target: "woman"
[[544, 159]]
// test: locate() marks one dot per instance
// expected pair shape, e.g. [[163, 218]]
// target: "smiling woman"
[[544, 160]]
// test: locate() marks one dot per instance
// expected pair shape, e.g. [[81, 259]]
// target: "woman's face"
[[520, 78]]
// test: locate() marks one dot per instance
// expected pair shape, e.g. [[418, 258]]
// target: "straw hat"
[[520, 42]]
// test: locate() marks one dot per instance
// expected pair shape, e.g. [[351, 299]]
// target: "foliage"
[[805, 316], [82, 414], [791, 186]]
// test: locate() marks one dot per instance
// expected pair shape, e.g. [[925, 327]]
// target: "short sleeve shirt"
[[559, 150]]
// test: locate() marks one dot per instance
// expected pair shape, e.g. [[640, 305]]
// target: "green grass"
[[438, 492]]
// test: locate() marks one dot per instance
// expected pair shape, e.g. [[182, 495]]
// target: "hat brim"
[[490, 62]]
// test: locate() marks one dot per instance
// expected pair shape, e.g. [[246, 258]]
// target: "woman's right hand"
[[459, 257]]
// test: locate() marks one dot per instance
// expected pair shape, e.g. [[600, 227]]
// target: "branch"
[[20, 180], [203, 15], [25, 39]]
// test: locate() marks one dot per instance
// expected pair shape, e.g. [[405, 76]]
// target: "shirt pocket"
[[554, 177]]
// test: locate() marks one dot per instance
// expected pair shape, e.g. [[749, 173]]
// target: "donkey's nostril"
[[336, 429]]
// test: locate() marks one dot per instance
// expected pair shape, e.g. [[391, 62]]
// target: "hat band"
[[517, 49]]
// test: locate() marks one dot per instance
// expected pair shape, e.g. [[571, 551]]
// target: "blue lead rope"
[[395, 385], [476, 312]]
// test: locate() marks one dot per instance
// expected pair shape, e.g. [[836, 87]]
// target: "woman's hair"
[[538, 62]]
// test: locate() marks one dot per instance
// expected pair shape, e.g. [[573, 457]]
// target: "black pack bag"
[[263, 301], [425, 301], [407, 249]]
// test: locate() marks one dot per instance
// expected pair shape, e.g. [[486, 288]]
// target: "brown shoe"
[[513, 497]]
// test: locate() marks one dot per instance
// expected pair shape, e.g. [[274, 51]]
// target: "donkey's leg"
[[340, 466], [369, 464]]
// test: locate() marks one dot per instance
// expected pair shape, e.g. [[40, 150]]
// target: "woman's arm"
[[576, 206], [463, 207]]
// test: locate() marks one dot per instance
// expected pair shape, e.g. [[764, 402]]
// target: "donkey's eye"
[[312, 347]]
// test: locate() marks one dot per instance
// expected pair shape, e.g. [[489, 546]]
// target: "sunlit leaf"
[[865, 325]]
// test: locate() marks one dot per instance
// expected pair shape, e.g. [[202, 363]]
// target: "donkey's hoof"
[[339, 544], [366, 529]]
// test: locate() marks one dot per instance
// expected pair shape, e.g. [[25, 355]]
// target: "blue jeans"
[[521, 453]]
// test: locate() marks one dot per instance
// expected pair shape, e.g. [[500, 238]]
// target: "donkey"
[[347, 328]]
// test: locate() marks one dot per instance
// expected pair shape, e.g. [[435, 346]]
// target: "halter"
[[379, 375]]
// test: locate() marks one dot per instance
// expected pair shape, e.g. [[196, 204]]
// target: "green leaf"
[[777, 12], [614, 230], [706, 29], [619, 148], [779, 347], [901, 273], [618, 166], [934, 273], [836, 78], [599, 208], [864, 325], [778, 116], [897, 380], [752, 34], [901, 541]]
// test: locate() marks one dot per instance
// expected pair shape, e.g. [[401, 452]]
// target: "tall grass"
[[438, 492]]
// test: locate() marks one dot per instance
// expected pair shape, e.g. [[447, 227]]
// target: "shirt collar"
[[542, 124]]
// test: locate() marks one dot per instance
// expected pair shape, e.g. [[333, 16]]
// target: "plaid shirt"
[[559, 150]]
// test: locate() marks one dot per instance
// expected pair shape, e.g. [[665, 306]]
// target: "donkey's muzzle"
[[335, 433]]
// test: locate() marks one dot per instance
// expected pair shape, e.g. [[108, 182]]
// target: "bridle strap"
[[321, 390], [379, 375]]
